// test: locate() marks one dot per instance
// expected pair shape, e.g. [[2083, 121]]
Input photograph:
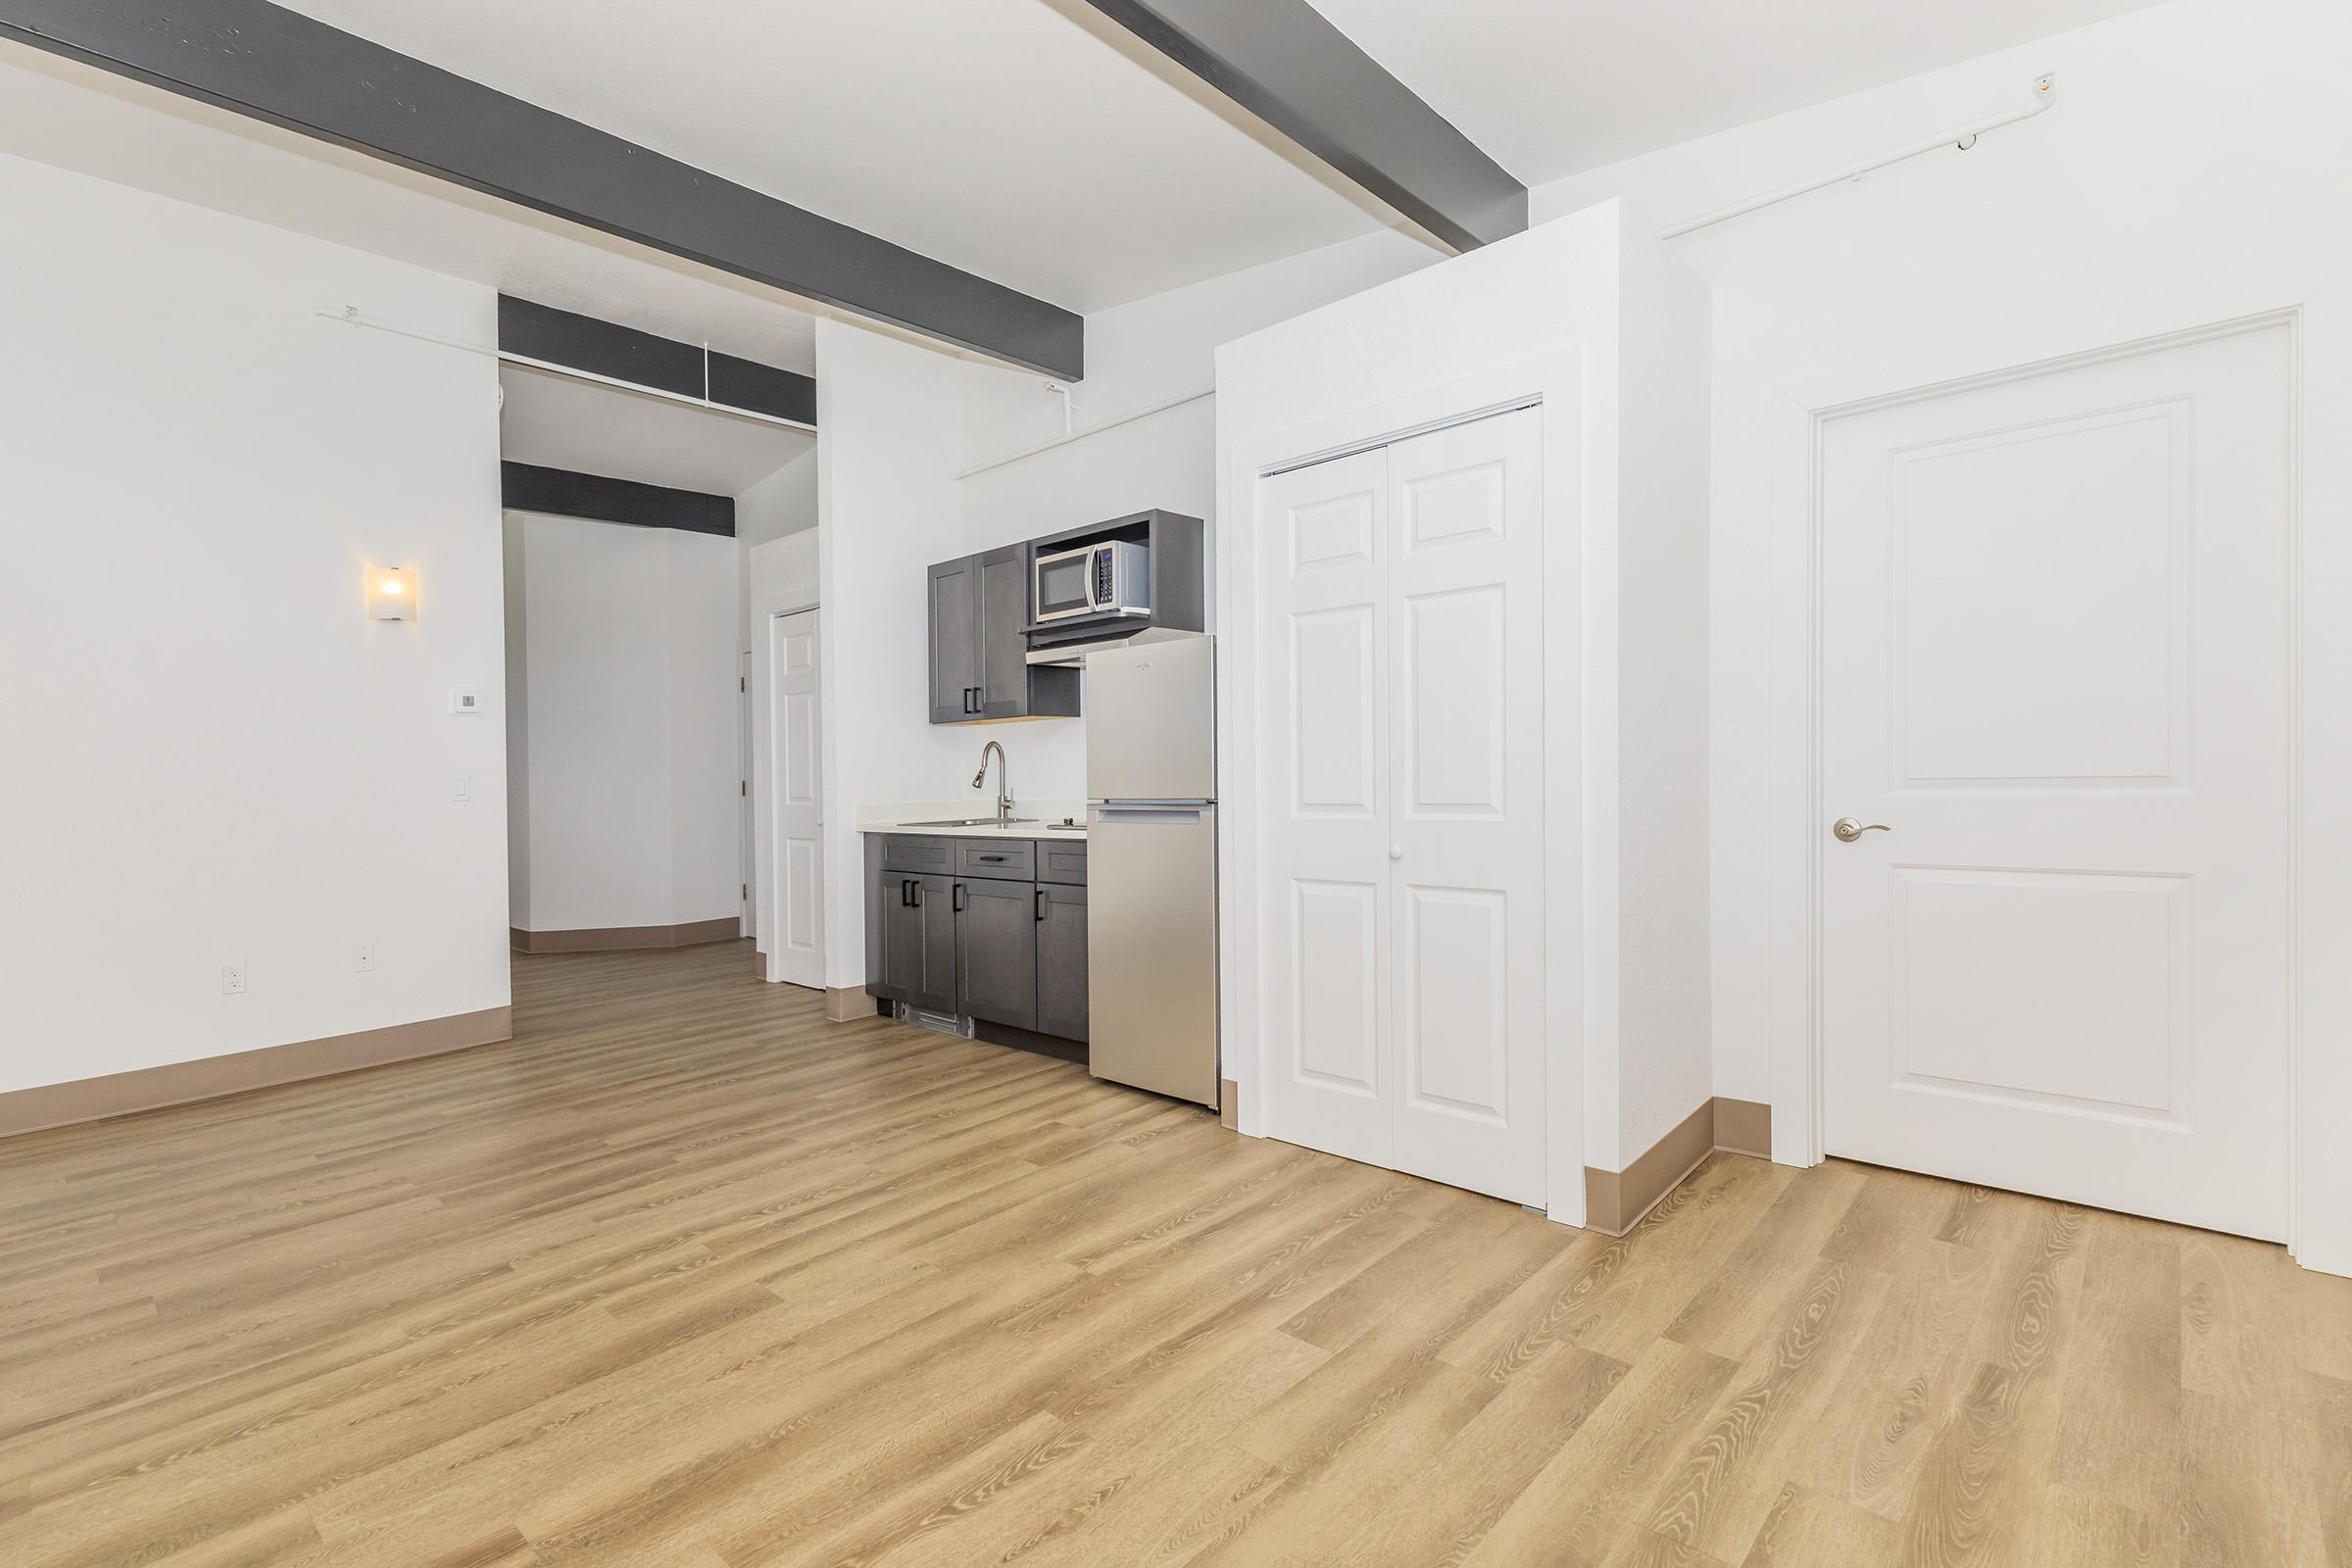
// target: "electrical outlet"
[[232, 979], [363, 958]]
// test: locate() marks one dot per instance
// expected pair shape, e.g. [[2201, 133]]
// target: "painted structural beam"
[[528, 487], [291, 70], [575, 342], [1284, 62]]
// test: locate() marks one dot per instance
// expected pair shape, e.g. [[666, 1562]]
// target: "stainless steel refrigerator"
[[1151, 864]]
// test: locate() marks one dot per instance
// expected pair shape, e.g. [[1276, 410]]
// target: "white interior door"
[[2054, 653], [796, 948], [1401, 683]]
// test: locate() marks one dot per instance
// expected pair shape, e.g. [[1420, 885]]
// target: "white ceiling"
[[1027, 140], [1554, 88], [558, 421], [78, 118], [1002, 136]]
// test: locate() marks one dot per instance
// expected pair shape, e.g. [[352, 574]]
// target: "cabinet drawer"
[[906, 852], [1008, 860], [1061, 861]]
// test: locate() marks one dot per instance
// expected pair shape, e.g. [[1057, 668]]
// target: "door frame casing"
[[1580, 887], [2318, 627]]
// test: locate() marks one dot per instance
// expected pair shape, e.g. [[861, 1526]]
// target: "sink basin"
[[978, 822]]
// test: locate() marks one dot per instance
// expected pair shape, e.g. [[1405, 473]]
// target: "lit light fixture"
[[391, 594]]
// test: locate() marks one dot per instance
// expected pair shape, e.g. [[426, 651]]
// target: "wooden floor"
[[687, 1278]]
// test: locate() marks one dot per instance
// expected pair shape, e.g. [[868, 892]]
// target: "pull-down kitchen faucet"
[[1004, 781]]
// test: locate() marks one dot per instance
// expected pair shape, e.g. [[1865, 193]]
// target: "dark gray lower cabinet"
[[981, 936], [1061, 960], [918, 962], [996, 951]]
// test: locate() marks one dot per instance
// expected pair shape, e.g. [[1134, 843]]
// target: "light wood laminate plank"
[[688, 1275]]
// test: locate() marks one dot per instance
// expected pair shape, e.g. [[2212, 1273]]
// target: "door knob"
[[1395, 852], [1850, 828]]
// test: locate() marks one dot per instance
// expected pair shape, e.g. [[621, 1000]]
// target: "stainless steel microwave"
[[1104, 579]]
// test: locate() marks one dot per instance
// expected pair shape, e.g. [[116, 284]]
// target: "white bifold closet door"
[[1402, 689]]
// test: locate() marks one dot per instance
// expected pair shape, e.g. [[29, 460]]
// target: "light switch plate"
[[462, 701]]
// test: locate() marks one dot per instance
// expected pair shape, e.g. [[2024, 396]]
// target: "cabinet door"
[[1004, 638], [1061, 917], [894, 969], [996, 952], [935, 907], [955, 602]]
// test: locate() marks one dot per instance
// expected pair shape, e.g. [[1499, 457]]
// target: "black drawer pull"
[[1041, 905], [918, 886], [955, 899]]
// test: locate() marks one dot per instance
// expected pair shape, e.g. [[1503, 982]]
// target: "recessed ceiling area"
[[558, 421], [1550, 88]]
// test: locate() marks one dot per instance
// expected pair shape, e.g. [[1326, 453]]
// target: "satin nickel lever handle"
[[1850, 828]]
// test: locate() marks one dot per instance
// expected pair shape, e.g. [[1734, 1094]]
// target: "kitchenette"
[[1080, 928]]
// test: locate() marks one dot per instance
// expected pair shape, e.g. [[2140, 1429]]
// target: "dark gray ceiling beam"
[[1284, 62], [562, 493], [287, 68]]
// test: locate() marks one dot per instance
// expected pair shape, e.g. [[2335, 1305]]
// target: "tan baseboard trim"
[[620, 938], [1229, 1105], [847, 1003], [1615, 1202], [1743, 1126], [27, 1111]]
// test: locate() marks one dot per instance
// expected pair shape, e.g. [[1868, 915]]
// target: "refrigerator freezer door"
[[1151, 722], [1152, 948]]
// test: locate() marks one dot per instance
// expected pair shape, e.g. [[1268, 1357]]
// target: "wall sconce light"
[[391, 594]]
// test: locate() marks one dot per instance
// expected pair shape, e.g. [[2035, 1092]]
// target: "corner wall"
[[216, 757], [888, 425], [2192, 170]]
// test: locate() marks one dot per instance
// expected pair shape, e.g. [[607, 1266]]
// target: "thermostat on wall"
[[464, 703]]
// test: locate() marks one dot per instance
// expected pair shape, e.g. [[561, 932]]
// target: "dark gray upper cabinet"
[[955, 597], [1004, 634], [980, 669], [996, 951], [1060, 960]]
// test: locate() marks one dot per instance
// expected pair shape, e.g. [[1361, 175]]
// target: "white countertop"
[[1031, 821]]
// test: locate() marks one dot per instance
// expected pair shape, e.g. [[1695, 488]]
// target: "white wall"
[[631, 726], [215, 756], [2192, 170], [888, 428], [1540, 313], [782, 504]]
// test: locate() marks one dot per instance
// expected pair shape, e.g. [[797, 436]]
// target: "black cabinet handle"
[[905, 898], [956, 900], [1041, 906], [918, 887], [971, 698]]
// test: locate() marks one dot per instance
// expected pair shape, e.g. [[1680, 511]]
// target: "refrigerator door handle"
[[1170, 815]]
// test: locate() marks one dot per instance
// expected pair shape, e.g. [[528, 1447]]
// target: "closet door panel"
[[1322, 541]]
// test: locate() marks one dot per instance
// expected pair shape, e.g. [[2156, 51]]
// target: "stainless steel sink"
[[978, 822]]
